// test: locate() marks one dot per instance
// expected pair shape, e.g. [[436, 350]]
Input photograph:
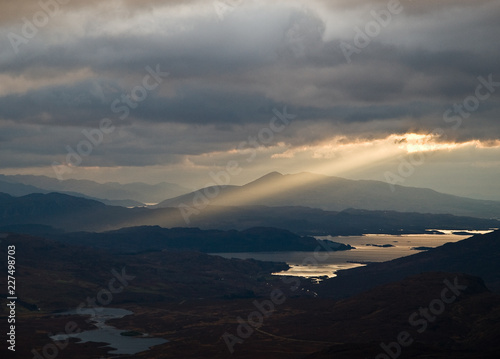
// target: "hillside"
[[314, 221], [361, 324], [71, 273], [74, 214], [477, 255], [145, 239], [192, 299], [61, 211], [19, 190]]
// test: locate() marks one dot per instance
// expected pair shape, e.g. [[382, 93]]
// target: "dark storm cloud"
[[413, 7], [81, 104], [14, 11], [226, 76], [86, 103]]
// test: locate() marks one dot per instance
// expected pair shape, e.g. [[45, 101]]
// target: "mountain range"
[[272, 190], [113, 193], [192, 299], [334, 194], [44, 213]]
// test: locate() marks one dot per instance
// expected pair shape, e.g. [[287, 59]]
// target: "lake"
[[303, 263], [118, 343]]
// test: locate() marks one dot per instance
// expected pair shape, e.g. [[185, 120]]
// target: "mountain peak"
[[272, 176], [309, 175]]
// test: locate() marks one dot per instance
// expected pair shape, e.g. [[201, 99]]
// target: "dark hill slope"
[[154, 238], [78, 214], [478, 255], [466, 327]]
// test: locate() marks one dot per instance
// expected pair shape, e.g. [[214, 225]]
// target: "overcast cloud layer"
[[230, 64]]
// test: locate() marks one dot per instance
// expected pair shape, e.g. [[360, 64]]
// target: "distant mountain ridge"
[[20, 189], [139, 192], [337, 194]]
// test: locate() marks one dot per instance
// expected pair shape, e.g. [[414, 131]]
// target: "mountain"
[[335, 194], [317, 222], [73, 214], [58, 210], [139, 192], [144, 239], [20, 189]]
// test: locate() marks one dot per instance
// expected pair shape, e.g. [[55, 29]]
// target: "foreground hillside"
[[72, 272], [410, 317], [197, 301]]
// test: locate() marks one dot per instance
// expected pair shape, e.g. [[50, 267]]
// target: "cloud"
[[13, 12], [227, 75]]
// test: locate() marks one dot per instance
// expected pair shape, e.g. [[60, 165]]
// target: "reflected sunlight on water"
[[365, 252]]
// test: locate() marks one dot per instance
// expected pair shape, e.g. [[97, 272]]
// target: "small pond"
[[113, 337]]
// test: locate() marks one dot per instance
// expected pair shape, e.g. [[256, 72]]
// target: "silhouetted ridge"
[[477, 256], [151, 238]]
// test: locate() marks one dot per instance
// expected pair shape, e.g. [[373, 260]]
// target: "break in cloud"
[[229, 64]]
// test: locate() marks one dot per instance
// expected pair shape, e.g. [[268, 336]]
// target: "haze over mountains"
[[336, 194], [273, 190], [69, 213], [129, 194]]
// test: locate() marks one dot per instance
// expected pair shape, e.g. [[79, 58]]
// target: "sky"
[[406, 92]]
